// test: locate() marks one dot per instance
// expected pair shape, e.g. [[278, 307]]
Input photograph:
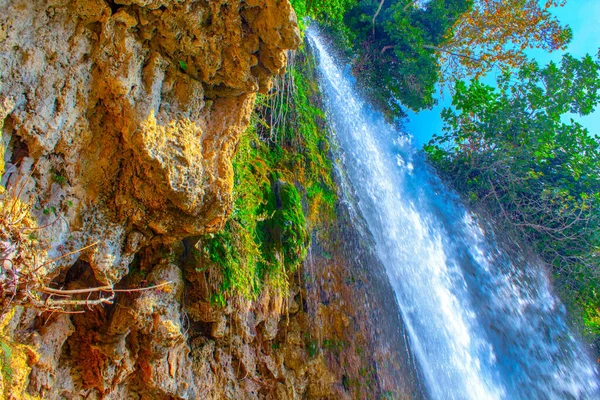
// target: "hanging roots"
[[24, 265]]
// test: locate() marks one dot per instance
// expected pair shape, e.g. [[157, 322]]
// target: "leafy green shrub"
[[281, 175], [512, 151], [284, 232], [329, 13]]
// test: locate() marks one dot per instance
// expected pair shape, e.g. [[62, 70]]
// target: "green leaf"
[[182, 66]]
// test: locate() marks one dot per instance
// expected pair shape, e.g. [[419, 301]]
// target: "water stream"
[[483, 324]]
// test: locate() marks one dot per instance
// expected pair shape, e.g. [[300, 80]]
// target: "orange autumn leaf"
[[496, 33]]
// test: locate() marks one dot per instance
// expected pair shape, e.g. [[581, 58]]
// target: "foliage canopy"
[[512, 150], [392, 40], [495, 33], [403, 48]]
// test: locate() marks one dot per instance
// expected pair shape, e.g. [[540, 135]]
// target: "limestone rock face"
[[132, 110], [119, 120]]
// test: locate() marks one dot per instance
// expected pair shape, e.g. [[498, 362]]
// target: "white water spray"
[[483, 324]]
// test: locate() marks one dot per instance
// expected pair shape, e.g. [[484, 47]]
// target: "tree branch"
[[386, 48], [410, 3], [428, 46], [376, 14], [107, 288]]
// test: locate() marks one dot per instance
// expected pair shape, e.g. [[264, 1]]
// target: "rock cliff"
[[130, 111], [119, 120]]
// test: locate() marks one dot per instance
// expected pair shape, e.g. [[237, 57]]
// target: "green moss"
[[5, 357], [583, 297], [16, 360], [334, 345], [283, 234], [312, 348], [58, 178], [282, 180]]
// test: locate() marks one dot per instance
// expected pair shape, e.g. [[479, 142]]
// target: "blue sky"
[[583, 16]]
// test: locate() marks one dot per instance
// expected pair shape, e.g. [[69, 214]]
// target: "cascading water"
[[483, 324]]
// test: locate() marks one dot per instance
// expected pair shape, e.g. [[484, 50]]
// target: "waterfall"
[[483, 322]]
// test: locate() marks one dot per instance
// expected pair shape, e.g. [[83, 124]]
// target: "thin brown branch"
[[410, 3], [18, 196], [385, 48], [62, 303], [142, 289], [376, 14], [435, 48], [107, 288], [66, 292], [43, 226], [66, 255]]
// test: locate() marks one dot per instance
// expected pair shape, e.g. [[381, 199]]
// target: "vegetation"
[[282, 174], [16, 360], [328, 13], [393, 46], [5, 359], [496, 33], [511, 150], [22, 276], [25, 279], [402, 48]]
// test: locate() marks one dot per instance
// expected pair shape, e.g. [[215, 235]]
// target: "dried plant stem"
[[55, 305], [107, 288], [66, 255], [23, 187], [70, 302]]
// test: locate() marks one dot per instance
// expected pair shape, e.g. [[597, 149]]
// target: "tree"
[[390, 43], [510, 150], [330, 12], [495, 33]]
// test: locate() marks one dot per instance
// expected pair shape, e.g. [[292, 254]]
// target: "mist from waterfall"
[[483, 323]]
